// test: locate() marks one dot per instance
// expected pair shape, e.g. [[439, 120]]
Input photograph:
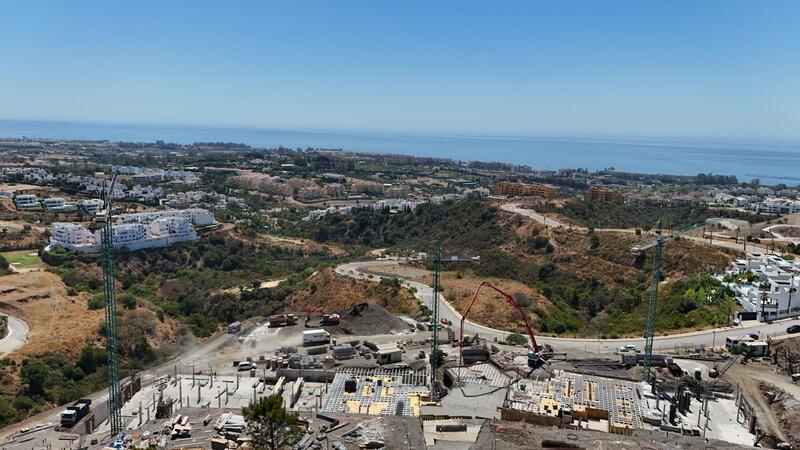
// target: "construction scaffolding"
[[570, 396], [379, 392]]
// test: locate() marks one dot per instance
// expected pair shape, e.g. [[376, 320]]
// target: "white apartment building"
[[182, 199], [26, 201], [92, 206], [775, 294], [198, 216], [57, 204], [175, 229], [134, 231], [777, 206], [74, 237]]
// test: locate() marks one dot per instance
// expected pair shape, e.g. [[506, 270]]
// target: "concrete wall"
[[313, 375]]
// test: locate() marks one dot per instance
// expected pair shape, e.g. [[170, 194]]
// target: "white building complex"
[[134, 231], [197, 216], [773, 290]]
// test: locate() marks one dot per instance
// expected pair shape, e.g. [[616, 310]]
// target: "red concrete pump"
[[537, 356]]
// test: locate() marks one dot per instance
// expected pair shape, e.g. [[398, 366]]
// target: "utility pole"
[[107, 245]]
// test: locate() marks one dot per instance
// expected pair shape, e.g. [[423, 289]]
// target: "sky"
[[635, 68]]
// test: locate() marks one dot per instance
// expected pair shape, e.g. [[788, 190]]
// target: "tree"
[[516, 339], [437, 357], [792, 290], [594, 242], [265, 420]]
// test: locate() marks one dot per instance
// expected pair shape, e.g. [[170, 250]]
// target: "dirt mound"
[[367, 319], [338, 293], [787, 410]]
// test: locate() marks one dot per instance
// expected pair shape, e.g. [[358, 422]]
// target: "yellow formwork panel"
[[414, 401], [376, 408]]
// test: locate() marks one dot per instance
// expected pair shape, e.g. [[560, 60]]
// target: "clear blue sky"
[[674, 68]]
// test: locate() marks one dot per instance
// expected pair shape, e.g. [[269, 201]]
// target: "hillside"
[[579, 283], [337, 293], [642, 215]]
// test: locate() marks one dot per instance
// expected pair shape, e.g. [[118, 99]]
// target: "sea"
[[772, 162]]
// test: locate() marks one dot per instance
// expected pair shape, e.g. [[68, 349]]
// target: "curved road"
[[16, 338], [716, 337], [531, 214]]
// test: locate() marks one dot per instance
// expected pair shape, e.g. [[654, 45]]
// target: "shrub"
[[516, 339], [97, 302]]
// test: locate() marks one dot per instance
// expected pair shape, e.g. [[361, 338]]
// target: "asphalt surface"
[[708, 338], [17, 336]]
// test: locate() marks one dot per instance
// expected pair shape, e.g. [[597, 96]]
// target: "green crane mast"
[[437, 267], [651, 314], [114, 397]]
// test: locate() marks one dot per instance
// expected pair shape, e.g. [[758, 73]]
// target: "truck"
[[282, 320], [330, 319], [74, 413], [316, 337]]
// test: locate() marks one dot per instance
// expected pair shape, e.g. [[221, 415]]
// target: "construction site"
[[365, 378]]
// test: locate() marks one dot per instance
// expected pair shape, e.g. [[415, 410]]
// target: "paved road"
[[16, 338], [531, 214], [716, 337]]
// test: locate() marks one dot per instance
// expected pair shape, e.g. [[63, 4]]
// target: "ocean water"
[[772, 162]]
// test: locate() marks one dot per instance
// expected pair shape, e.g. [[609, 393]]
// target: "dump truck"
[[74, 413], [282, 320]]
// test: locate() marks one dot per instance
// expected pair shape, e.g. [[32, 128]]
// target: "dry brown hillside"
[[337, 293], [58, 323]]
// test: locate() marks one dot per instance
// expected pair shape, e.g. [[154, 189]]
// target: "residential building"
[[134, 231], [74, 237], [92, 206], [57, 204], [198, 216], [601, 194], [512, 189], [773, 293], [26, 201]]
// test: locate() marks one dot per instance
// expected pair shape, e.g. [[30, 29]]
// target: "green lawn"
[[22, 258]]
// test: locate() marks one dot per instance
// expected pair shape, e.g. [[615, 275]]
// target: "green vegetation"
[[50, 379], [4, 267], [711, 179], [266, 419], [462, 227], [22, 259], [592, 282], [642, 215], [516, 339], [187, 281], [695, 302]]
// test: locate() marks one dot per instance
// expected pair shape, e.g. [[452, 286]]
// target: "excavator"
[[538, 355]]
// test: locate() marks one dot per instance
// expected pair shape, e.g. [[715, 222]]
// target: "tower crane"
[[657, 244], [437, 268], [537, 355], [107, 235]]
